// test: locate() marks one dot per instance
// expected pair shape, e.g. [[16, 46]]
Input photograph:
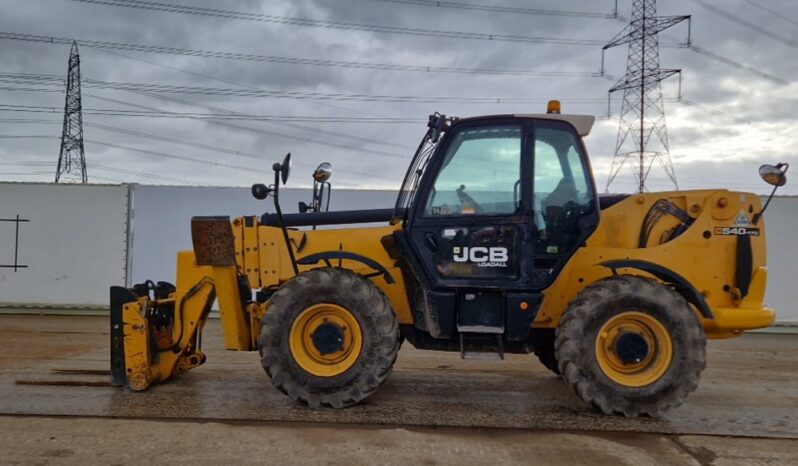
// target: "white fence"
[[162, 218], [781, 219], [69, 246], [75, 241]]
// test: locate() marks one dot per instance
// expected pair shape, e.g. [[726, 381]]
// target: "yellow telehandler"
[[498, 243]]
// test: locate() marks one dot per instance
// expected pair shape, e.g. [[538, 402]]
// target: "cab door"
[[470, 226], [503, 205]]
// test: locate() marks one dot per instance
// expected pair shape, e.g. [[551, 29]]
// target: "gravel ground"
[[435, 409]]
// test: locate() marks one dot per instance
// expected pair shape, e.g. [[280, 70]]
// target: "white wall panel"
[[162, 218], [74, 244], [781, 220]]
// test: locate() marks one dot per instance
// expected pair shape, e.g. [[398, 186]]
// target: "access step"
[[473, 345]]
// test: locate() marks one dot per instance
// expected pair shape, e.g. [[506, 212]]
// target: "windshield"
[[480, 173]]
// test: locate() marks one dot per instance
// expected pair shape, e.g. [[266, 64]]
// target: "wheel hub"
[[325, 340], [631, 348], [328, 338]]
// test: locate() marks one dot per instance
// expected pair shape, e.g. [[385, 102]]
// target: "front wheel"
[[544, 350], [329, 337], [632, 346]]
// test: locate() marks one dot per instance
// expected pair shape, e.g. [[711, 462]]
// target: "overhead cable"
[[506, 9], [97, 44], [299, 21]]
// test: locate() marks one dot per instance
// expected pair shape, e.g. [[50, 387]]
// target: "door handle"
[[431, 242]]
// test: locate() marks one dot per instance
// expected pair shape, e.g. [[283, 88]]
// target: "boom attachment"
[[156, 329]]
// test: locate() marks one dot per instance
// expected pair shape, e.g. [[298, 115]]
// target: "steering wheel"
[[566, 217], [467, 201]]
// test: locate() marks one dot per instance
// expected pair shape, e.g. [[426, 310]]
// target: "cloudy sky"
[[314, 64]]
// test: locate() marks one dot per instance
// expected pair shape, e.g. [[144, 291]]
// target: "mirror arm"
[[316, 196], [758, 215], [329, 195], [280, 218]]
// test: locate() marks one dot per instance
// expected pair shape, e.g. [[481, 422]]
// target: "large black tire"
[[577, 345], [544, 350], [379, 330]]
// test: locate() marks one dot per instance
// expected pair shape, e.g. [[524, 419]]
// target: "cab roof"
[[582, 123]]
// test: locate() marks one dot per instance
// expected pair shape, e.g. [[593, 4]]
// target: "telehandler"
[[498, 243]]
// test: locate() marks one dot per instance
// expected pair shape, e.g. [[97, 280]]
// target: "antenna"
[[72, 159], [642, 134]]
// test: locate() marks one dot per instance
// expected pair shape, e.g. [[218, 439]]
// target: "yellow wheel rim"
[[325, 340], [634, 349]]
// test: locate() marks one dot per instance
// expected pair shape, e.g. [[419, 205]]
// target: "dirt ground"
[[435, 409]]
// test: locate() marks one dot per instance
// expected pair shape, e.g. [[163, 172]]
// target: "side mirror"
[[321, 188], [260, 191], [323, 172], [284, 168], [774, 175]]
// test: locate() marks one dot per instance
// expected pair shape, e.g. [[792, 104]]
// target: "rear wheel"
[[328, 338], [631, 346]]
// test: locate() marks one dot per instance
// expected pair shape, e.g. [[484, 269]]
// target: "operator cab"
[[493, 208]]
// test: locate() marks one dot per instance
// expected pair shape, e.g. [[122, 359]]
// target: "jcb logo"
[[482, 256]]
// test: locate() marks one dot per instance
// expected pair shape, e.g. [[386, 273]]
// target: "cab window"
[[480, 174], [562, 189]]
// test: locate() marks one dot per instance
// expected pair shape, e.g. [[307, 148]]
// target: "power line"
[[216, 78], [683, 101], [183, 158], [28, 120], [299, 21], [708, 109], [232, 116], [216, 120], [182, 142], [266, 93], [30, 89], [223, 112], [772, 12], [23, 164], [172, 156], [742, 22], [93, 166], [506, 9], [283, 60], [372, 152], [736, 64], [108, 179], [258, 157], [208, 116], [695, 48], [141, 174], [283, 121], [25, 174]]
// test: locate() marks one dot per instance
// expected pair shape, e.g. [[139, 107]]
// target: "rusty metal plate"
[[213, 241]]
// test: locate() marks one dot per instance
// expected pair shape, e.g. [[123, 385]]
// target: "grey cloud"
[[697, 133]]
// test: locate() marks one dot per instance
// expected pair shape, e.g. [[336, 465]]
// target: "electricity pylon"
[[642, 135], [72, 159]]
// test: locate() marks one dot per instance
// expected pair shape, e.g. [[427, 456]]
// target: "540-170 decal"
[[736, 231]]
